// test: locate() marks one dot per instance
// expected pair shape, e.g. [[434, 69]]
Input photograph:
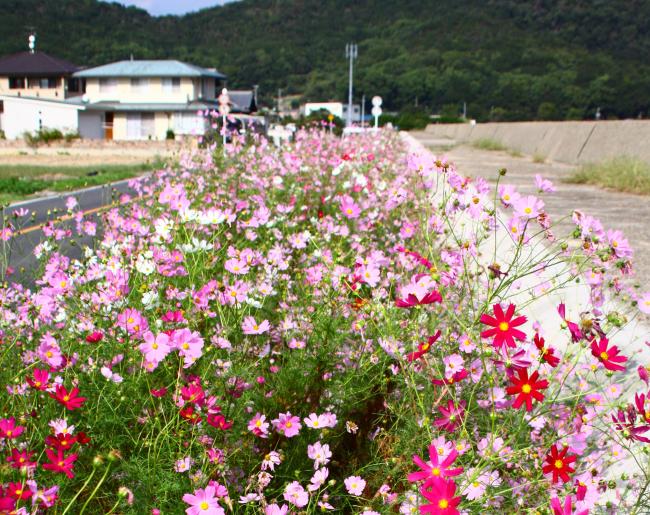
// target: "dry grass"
[[625, 174], [489, 144]]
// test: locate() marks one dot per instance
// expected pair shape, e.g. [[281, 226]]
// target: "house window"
[[48, 83], [33, 83], [108, 85], [140, 126], [139, 85], [16, 83], [2, 106], [171, 84], [73, 85], [188, 123]]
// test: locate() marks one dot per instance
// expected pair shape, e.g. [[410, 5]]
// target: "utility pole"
[[351, 52], [279, 100], [363, 110]]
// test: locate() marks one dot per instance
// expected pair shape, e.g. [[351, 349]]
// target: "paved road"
[[21, 257], [627, 212]]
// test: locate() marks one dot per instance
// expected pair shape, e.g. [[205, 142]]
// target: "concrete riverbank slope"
[[566, 142]]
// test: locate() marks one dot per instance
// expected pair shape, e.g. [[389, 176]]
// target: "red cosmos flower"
[[626, 423], [19, 459], [59, 462], [190, 415], [441, 495], [640, 401], [82, 438], [559, 464], [458, 376], [411, 300], [503, 326], [418, 257], [526, 388], [546, 353], [60, 441], [434, 469], [423, 348], [9, 429], [452, 416], [70, 399], [18, 491], [160, 392], [219, 421], [95, 337], [40, 379], [609, 357]]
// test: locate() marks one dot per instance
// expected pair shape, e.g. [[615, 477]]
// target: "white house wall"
[[23, 115]]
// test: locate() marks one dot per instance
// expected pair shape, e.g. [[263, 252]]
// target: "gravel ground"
[[627, 212]]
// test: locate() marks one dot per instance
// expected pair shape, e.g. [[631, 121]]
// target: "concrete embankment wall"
[[567, 142]]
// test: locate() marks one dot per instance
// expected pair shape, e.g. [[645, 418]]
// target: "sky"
[[158, 7]]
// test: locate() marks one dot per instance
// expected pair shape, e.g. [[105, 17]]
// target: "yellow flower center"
[[503, 326], [443, 503], [154, 346], [604, 355], [204, 505], [526, 388], [289, 424], [559, 464], [435, 471], [528, 210]]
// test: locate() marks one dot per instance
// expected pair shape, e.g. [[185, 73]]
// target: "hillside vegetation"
[[508, 59]]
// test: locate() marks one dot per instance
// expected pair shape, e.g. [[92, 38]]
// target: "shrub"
[[170, 135], [340, 324]]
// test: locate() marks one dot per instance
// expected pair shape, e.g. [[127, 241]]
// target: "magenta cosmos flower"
[[441, 496], [203, 502], [434, 468], [452, 416]]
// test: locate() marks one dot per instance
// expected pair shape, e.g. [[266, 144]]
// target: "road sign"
[[376, 101]]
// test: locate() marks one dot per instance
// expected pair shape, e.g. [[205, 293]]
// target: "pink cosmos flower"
[[543, 185], [258, 426], [296, 494], [354, 485], [274, 509], [132, 322], [453, 363], [287, 424], [203, 502], [49, 351], [189, 343], [619, 245], [644, 303], [318, 479], [250, 326], [155, 347], [508, 194], [236, 266], [320, 453], [349, 208], [528, 207]]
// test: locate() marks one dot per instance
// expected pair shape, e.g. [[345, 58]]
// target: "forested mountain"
[[508, 59]]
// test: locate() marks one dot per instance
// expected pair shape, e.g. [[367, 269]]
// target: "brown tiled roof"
[[26, 64]]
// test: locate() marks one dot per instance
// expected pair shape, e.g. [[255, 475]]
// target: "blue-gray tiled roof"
[[153, 68]]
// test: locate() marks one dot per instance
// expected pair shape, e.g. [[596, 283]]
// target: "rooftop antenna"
[[32, 43]]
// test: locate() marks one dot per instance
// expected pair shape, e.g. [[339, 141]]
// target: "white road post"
[[376, 109]]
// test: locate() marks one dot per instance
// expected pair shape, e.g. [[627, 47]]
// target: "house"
[[338, 109], [242, 101], [39, 76], [145, 99], [125, 100]]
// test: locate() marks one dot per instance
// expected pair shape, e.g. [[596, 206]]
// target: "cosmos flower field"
[[332, 325]]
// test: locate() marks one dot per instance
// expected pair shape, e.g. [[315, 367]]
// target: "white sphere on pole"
[[376, 101]]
